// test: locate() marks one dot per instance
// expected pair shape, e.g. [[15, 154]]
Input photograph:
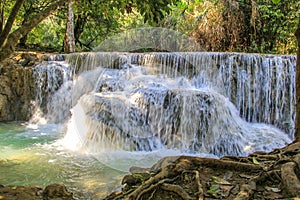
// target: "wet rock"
[[57, 192], [20, 192], [164, 162], [135, 169], [297, 160], [290, 180], [135, 179], [51, 192]]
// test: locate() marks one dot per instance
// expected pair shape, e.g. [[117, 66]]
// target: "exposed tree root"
[[290, 180], [259, 176], [217, 164], [245, 193], [178, 190], [146, 188], [200, 187]]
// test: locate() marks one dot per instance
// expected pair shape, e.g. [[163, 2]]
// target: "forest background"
[[260, 26]]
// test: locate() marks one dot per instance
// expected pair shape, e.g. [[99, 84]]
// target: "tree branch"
[[13, 38], [10, 21]]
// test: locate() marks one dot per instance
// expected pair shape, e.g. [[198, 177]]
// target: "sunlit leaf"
[[255, 161], [275, 1]]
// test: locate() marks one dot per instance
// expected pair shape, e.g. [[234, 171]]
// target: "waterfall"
[[53, 85], [215, 103]]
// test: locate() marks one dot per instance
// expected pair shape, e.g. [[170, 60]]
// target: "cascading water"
[[260, 86], [127, 109], [49, 78], [207, 103]]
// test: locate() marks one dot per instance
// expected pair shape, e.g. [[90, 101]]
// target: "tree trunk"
[[10, 21], [1, 16], [13, 38], [297, 125], [79, 27], [69, 40]]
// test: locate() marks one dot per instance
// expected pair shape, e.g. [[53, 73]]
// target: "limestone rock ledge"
[[17, 91]]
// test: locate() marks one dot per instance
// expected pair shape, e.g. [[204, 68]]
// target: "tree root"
[[245, 193], [190, 163], [164, 185], [183, 164], [178, 190], [140, 193], [271, 174], [290, 180], [200, 189], [266, 157], [164, 175]]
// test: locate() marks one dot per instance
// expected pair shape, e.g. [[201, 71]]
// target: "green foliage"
[[276, 26], [213, 189], [95, 20], [154, 11], [48, 34], [264, 26], [275, 1], [183, 16], [101, 19]]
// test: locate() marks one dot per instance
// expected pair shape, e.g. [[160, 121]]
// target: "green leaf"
[[214, 187], [275, 1], [255, 161], [211, 192], [14, 187]]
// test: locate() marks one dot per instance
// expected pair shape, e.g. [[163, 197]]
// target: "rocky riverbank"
[[53, 192], [17, 86], [260, 176], [17, 97]]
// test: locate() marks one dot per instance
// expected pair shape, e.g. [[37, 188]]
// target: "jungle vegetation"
[[262, 26]]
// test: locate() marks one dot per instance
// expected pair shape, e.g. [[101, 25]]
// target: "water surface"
[[31, 155]]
